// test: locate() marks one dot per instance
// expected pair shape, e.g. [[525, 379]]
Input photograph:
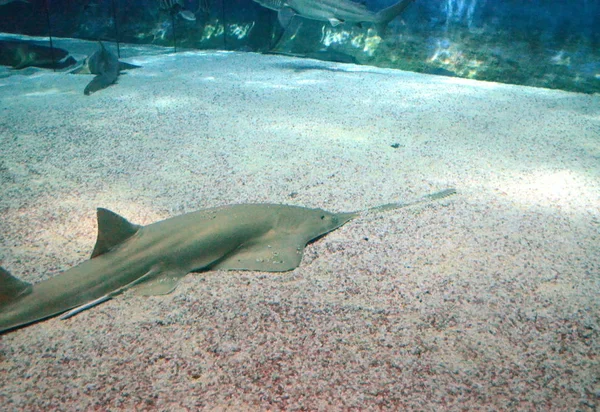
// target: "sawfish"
[[5, 2], [22, 53], [152, 259], [334, 11], [105, 66]]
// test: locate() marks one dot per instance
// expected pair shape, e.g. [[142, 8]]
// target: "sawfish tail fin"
[[427, 198], [388, 14], [11, 288]]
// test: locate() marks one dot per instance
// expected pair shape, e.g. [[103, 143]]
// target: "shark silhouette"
[[334, 11], [152, 259], [23, 53], [105, 66], [5, 2]]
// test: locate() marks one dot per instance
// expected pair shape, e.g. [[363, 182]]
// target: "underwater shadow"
[[308, 66]]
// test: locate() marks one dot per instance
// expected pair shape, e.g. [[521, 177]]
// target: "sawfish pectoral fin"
[[273, 252], [334, 22], [157, 281], [153, 282], [160, 284]]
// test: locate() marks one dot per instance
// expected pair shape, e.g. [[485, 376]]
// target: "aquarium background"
[[486, 300], [543, 43]]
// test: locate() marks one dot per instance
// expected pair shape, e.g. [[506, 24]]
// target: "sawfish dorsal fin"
[[112, 231], [11, 288]]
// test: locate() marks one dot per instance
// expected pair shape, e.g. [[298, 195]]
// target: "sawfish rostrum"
[[152, 259]]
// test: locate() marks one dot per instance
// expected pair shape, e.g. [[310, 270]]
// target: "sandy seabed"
[[487, 300]]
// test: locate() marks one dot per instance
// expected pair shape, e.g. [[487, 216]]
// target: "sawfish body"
[[22, 53], [105, 66], [5, 2], [152, 259], [334, 11]]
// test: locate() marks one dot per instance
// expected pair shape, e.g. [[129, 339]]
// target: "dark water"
[[544, 43]]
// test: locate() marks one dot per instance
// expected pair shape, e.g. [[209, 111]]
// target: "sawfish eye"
[[322, 217]]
